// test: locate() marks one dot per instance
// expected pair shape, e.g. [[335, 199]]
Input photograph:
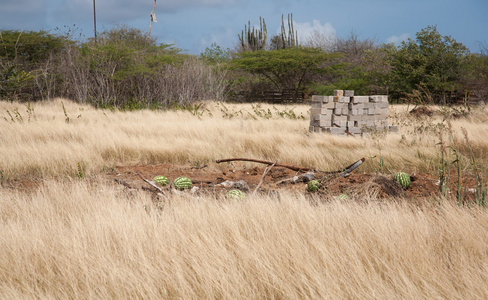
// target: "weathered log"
[[342, 172], [291, 167]]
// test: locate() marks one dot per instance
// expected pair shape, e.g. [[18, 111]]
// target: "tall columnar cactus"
[[252, 39], [291, 39]]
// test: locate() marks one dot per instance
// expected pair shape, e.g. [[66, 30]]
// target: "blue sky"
[[192, 25]]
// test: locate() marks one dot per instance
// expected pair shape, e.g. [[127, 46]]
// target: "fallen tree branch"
[[262, 177], [343, 171], [150, 182], [291, 167]]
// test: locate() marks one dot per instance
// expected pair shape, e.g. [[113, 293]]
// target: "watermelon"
[[403, 179], [182, 183], [343, 197], [313, 186], [235, 194], [161, 180]]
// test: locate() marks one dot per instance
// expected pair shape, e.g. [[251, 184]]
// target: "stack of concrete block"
[[345, 113]]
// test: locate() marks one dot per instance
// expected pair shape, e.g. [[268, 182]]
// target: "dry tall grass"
[[61, 134], [83, 240]]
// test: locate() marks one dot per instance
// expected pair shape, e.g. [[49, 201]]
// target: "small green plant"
[[196, 109], [261, 112], [226, 113], [80, 172], [65, 113], [289, 114], [30, 111]]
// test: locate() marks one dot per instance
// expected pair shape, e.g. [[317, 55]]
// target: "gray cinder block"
[[338, 93]]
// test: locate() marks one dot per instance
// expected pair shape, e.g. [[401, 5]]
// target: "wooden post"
[[152, 18], [95, 21]]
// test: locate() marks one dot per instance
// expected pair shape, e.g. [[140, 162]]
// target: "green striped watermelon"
[[182, 183], [161, 180], [313, 186], [235, 194], [403, 179]]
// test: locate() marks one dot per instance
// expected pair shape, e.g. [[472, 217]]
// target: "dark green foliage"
[[432, 59], [24, 60], [291, 68]]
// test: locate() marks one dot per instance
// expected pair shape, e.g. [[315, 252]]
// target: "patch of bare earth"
[[218, 180]]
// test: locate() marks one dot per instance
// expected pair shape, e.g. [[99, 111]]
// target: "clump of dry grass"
[[91, 240]]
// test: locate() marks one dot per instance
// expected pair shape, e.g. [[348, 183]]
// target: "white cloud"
[[395, 39], [315, 34]]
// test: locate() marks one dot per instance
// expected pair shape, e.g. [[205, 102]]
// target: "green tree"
[[290, 68], [26, 59], [433, 60], [215, 54]]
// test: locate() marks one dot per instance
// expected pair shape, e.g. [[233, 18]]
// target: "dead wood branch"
[[343, 171], [262, 177], [291, 167], [150, 183]]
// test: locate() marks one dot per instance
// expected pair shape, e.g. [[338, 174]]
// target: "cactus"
[[290, 40], [252, 39]]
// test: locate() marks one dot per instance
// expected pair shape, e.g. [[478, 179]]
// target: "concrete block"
[[316, 104], [321, 111], [348, 93], [378, 99], [340, 124], [339, 118], [325, 117], [360, 99], [381, 105], [317, 98], [352, 112], [328, 99], [354, 130], [338, 93], [328, 105], [341, 105], [337, 130], [342, 99], [325, 123]]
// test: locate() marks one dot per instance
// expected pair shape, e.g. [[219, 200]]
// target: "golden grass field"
[[86, 238]]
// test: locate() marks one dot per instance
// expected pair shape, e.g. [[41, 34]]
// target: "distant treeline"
[[126, 69]]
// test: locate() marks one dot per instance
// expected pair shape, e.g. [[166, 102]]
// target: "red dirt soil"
[[357, 185], [209, 179]]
